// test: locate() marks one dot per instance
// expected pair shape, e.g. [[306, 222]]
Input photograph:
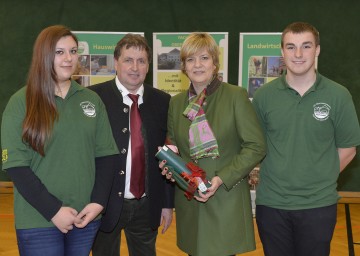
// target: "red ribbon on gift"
[[193, 179]]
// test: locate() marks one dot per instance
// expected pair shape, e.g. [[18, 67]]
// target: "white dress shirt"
[[126, 100]]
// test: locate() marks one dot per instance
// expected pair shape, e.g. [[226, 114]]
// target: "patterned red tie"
[[137, 181]]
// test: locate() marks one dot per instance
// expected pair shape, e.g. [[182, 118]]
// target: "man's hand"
[[166, 218], [90, 212]]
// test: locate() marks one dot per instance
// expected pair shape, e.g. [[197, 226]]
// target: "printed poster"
[[167, 73], [260, 60], [96, 56]]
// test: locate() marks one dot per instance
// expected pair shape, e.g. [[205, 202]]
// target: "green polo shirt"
[[81, 134], [302, 165]]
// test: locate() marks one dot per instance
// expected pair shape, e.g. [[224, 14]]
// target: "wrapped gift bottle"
[[188, 176]]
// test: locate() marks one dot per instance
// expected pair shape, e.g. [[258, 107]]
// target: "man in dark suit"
[[138, 215]]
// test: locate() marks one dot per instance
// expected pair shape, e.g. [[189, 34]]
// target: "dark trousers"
[[296, 232], [140, 238]]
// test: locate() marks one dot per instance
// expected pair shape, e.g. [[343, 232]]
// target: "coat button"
[[121, 172], [126, 110], [124, 130], [120, 194], [123, 151]]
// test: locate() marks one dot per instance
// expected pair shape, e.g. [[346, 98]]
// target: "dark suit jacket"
[[153, 112]]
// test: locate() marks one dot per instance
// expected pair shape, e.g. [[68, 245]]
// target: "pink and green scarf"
[[202, 140]]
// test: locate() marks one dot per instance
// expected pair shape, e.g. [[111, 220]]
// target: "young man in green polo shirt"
[[312, 132]]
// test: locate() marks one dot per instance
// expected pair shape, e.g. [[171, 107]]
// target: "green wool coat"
[[224, 224]]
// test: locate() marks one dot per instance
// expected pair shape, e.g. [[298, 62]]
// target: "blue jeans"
[[52, 242]]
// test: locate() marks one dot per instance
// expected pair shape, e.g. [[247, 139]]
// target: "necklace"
[[58, 91], [61, 89]]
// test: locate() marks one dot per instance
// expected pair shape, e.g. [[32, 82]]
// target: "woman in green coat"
[[213, 124]]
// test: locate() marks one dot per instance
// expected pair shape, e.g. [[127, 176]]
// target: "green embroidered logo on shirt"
[[88, 108], [4, 155], [321, 111]]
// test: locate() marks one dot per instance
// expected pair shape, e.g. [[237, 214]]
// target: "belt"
[[134, 199]]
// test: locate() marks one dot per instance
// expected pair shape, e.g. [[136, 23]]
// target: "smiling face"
[[200, 68], [132, 67], [300, 51], [66, 58]]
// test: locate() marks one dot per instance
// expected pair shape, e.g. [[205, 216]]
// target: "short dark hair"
[[132, 40], [300, 27]]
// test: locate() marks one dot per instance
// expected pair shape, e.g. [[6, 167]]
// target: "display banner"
[[260, 59], [167, 73], [96, 56]]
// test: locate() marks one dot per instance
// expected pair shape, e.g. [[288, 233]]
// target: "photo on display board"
[[260, 60], [263, 69], [169, 60]]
